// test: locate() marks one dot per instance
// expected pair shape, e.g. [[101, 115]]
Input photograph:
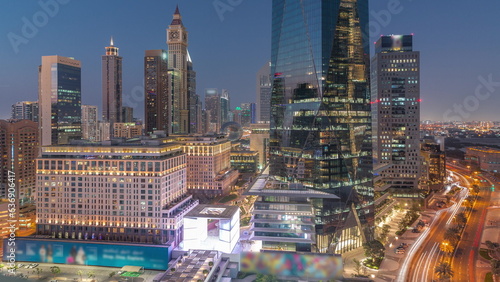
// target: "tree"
[[55, 270], [91, 274], [443, 270], [38, 272], [2, 266], [374, 250], [112, 274], [357, 267], [490, 245], [79, 273], [447, 247], [452, 235], [475, 189], [495, 266], [461, 219]]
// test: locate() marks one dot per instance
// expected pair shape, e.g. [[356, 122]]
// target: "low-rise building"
[[485, 158], [245, 161]]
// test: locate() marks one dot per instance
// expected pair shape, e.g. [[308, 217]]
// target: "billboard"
[[313, 266], [87, 253]]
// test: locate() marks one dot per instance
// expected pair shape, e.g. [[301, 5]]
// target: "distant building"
[[395, 87], [112, 85], [225, 106], [434, 165], [245, 161], [19, 149], [484, 158], [196, 115], [104, 131], [158, 101], [59, 100], [209, 172], [129, 192], [25, 110], [263, 85], [213, 107], [90, 123], [127, 114], [259, 142], [127, 130]]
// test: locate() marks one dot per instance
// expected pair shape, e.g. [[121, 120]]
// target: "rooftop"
[[213, 211]]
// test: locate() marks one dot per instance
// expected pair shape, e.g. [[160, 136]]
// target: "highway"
[[464, 262], [425, 253]]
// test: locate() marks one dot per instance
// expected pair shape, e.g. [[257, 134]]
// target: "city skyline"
[[445, 77]]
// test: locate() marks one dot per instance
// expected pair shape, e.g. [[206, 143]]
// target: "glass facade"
[[157, 106], [66, 103], [321, 114]]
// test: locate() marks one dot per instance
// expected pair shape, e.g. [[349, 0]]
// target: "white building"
[[90, 123], [132, 192], [395, 86]]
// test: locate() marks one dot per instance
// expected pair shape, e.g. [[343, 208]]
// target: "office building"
[[320, 134], [263, 85], [127, 114], [213, 108], [434, 165], [178, 58], [25, 110], [259, 142], [158, 101], [395, 79], [225, 106], [483, 158], [195, 104], [209, 172], [104, 131], [127, 130], [90, 123], [59, 100], [112, 85], [19, 149], [245, 161], [128, 192]]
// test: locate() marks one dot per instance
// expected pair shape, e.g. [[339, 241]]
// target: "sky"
[[230, 40]]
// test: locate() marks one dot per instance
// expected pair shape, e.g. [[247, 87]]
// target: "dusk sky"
[[459, 43]]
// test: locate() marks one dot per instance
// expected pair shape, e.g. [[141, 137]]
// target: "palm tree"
[[443, 270], [91, 274], [79, 273], [447, 247], [38, 272], [452, 235]]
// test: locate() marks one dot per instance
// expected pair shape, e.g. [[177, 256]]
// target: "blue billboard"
[[90, 253]]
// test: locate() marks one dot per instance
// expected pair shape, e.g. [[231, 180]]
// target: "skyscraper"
[[177, 41], [157, 112], [195, 105], [212, 106], [396, 107], [127, 114], [225, 106], [320, 117], [59, 100], [111, 85], [25, 110], [90, 123], [264, 93]]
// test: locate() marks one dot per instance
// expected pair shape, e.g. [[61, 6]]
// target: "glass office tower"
[[320, 114]]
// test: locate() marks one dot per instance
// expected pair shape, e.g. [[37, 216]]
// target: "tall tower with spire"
[[111, 85], [177, 41]]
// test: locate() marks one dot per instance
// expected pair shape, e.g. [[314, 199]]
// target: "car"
[[400, 251]]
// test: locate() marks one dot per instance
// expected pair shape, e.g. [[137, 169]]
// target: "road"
[[464, 262], [425, 254]]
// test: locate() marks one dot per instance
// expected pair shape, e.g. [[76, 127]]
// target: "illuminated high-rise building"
[[25, 110], [158, 102], [178, 57], [213, 109], [111, 85], [90, 123], [263, 110], [395, 86], [320, 136], [59, 100]]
